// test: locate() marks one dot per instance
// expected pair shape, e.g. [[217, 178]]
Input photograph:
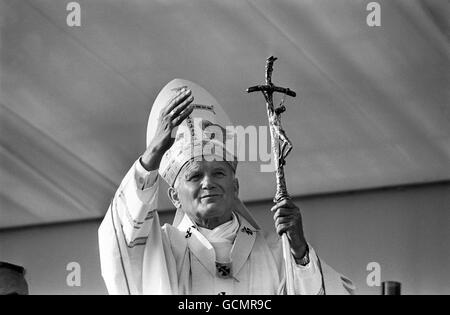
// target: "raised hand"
[[174, 113]]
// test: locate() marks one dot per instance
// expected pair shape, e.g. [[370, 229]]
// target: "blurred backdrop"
[[370, 124]]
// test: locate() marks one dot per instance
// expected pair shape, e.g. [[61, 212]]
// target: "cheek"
[[229, 188], [189, 193]]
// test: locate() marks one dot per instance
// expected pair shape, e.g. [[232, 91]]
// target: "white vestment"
[[138, 256]]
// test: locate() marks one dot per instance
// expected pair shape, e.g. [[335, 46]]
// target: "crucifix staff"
[[281, 147]]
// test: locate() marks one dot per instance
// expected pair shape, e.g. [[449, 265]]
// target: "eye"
[[219, 173], [193, 177]]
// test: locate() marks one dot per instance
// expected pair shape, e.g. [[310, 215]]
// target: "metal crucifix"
[[281, 146]]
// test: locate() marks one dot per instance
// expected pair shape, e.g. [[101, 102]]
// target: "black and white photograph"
[[251, 148]]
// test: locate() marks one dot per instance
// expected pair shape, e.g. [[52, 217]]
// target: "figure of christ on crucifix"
[[281, 145]]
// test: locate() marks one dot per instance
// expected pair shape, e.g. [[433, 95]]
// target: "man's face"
[[207, 189], [12, 282]]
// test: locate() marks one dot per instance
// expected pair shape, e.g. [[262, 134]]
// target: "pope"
[[214, 245]]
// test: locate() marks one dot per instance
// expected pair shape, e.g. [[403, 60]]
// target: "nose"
[[207, 182]]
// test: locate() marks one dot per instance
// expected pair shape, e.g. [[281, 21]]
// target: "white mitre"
[[205, 134]]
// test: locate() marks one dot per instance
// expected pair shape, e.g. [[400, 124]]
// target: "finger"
[[284, 220], [286, 203], [283, 212], [177, 100], [179, 97], [283, 228], [181, 107], [164, 111], [177, 121]]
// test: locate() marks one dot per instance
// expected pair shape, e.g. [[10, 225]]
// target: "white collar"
[[225, 232]]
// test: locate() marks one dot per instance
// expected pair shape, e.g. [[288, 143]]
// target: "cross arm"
[[273, 88]]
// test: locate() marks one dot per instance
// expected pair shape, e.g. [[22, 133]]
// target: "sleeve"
[[334, 283], [317, 278], [308, 279], [133, 247]]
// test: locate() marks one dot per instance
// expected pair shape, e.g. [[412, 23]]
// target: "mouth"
[[210, 196]]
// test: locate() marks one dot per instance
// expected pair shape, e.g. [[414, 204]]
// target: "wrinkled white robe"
[[138, 256]]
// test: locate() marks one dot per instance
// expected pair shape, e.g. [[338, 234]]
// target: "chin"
[[211, 211]]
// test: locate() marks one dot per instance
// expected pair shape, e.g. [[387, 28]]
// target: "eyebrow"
[[190, 169], [193, 167]]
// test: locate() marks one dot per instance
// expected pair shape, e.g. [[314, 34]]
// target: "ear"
[[173, 196], [236, 187]]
